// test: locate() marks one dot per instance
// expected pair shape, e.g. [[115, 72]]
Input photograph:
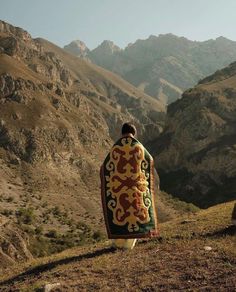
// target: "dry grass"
[[175, 262]]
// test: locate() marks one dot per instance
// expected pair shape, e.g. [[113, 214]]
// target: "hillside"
[[196, 153], [195, 253], [59, 116], [162, 66]]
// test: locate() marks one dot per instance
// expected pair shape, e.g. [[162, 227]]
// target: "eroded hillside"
[[59, 115], [196, 153]]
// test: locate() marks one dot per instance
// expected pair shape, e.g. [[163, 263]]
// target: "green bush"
[[25, 215]]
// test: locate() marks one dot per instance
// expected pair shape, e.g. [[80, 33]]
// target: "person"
[[127, 191]]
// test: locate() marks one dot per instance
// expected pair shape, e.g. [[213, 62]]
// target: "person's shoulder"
[[135, 140]]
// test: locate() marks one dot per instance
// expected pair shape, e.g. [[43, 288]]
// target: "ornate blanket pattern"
[[127, 191]]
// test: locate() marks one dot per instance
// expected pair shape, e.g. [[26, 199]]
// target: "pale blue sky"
[[122, 21]]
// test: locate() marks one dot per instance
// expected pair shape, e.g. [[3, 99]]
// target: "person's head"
[[128, 128]]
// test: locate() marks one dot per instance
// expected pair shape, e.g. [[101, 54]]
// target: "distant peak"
[[110, 44], [78, 48], [77, 43], [109, 47], [107, 42], [152, 36], [168, 35], [223, 39]]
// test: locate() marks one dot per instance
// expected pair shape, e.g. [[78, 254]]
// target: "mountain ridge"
[[146, 62]]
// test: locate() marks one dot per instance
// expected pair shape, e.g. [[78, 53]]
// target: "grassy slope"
[[18, 69], [176, 261]]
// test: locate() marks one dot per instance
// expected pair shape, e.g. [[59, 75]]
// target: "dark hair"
[[128, 128]]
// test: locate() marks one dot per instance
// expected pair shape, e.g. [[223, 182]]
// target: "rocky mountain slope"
[[195, 253], [196, 153], [13, 244], [59, 115], [163, 66]]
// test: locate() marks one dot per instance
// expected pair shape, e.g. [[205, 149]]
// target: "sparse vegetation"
[[39, 230], [28, 229], [56, 211], [98, 236], [10, 199], [6, 212], [52, 233], [25, 215], [180, 205], [54, 242], [177, 261]]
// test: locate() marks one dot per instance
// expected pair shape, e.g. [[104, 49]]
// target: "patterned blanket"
[[127, 191]]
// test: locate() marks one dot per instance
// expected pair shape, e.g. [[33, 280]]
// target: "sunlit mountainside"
[[60, 115], [162, 66]]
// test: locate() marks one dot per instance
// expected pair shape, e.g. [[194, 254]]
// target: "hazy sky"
[[122, 21]]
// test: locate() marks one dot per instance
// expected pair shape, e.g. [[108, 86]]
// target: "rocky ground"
[[13, 244]]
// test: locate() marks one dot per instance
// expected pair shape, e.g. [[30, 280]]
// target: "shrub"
[[44, 204], [39, 230], [56, 211], [25, 215], [10, 199], [29, 230], [7, 212], [52, 233], [97, 235]]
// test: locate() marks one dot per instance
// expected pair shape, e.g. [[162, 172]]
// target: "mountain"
[[59, 116], [165, 66], [77, 48], [196, 153], [103, 55], [196, 252]]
